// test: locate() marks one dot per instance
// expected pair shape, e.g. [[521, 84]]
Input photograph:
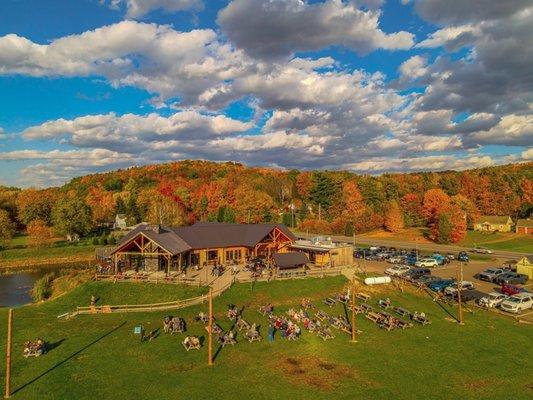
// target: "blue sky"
[[371, 86]]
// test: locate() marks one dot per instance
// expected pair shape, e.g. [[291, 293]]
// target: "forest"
[[327, 202]]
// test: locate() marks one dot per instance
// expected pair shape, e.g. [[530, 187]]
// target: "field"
[[18, 254], [499, 241], [99, 357]]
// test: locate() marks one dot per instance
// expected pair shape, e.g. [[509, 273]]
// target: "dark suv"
[[511, 277], [415, 273]]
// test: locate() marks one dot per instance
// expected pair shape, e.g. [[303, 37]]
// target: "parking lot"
[[470, 269]]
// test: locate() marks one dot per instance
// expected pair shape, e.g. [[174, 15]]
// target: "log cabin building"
[[161, 248]]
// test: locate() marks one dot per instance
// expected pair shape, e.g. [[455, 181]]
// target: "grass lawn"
[[98, 357], [19, 255], [499, 241]]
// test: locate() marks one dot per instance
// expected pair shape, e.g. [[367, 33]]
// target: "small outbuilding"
[[494, 223], [324, 252], [291, 259], [525, 266], [524, 226]]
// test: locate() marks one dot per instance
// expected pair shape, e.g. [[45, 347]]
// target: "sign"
[[137, 330]]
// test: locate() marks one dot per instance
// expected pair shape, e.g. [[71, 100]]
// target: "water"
[[15, 289]]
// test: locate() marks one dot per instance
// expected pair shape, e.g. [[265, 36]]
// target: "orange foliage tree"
[[39, 233], [393, 221], [102, 204]]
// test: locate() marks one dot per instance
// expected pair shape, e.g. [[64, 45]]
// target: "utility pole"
[[319, 211], [210, 329], [7, 393], [353, 309], [459, 287]]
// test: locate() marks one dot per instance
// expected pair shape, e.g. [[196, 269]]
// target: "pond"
[[15, 289]]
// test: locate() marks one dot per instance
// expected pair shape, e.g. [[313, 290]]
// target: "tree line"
[[336, 202]]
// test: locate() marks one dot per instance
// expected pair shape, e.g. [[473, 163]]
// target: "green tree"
[[71, 216], [444, 228], [323, 190], [7, 228]]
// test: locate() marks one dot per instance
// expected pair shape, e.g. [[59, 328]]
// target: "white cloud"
[[451, 36], [511, 130], [413, 68], [153, 57], [139, 8], [527, 154], [278, 28]]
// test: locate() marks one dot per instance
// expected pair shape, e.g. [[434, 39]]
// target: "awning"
[[292, 259]]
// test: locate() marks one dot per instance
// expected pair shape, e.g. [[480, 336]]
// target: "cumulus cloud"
[[271, 29], [139, 8], [130, 132], [514, 130], [452, 37], [153, 57], [413, 68]]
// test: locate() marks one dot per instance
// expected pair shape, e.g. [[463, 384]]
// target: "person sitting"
[[167, 324]]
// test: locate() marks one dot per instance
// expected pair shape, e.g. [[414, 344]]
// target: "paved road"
[[365, 240]]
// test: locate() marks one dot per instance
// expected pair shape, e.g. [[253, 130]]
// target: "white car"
[[397, 270], [396, 259], [493, 299], [426, 262], [518, 303], [482, 250], [465, 285]]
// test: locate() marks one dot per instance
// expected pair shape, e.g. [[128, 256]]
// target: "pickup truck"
[[518, 303], [511, 277], [490, 274]]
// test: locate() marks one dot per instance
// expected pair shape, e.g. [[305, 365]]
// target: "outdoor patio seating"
[[266, 310], [329, 301], [420, 318], [322, 315], [384, 303], [366, 307], [402, 311], [34, 349], [362, 296], [325, 334], [191, 343], [242, 324], [227, 338]]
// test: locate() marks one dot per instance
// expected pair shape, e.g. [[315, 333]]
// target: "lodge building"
[[161, 248]]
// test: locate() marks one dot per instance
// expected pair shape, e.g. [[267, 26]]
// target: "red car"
[[509, 289]]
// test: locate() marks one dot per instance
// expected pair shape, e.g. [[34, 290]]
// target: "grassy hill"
[[99, 357]]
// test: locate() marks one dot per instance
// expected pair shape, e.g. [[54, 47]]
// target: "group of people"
[[35, 348], [174, 325], [288, 329], [218, 270]]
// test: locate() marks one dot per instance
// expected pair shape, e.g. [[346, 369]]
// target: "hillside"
[[323, 201]]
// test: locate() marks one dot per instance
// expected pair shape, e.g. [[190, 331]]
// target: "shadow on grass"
[[234, 322], [69, 357], [441, 306]]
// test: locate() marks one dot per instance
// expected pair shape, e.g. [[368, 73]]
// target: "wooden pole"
[[210, 329], [7, 393], [353, 310], [459, 287]]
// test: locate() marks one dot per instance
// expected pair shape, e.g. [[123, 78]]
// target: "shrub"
[[95, 241], [42, 289], [112, 240]]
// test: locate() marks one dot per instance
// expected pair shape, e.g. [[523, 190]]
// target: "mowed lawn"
[[99, 357], [499, 241]]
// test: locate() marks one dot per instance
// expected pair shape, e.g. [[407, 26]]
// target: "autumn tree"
[[449, 226], [304, 184], [102, 204], [435, 200], [162, 209], [353, 204], [39, 233], [71, 215], [411, 204], [7, 228], [393, 220], [468, 207], [35, 204], [250, 205]]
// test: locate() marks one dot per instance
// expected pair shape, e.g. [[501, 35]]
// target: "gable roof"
[[205, 235], [494, 219], [525, 222], [290, 259]]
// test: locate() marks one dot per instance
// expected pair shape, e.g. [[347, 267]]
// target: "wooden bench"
[[330, 302], [402, 311], [403, 324], [362, 296], [325, 334], [366, 307], [374, 317], [421, 320], [321, 315]]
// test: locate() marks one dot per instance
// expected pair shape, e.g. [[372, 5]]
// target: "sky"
[[370, 86]]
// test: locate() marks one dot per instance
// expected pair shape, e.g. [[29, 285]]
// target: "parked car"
[[509, 289], [518, 303], [463, 256], [427, 279], [416, 273], [490, 274], [450, 256], [411, 259], [396, 260], [397, 270], [452, 289], [492, 300], [441, 260], [481, 250], [511, 277], [440, 285], [426, 262]]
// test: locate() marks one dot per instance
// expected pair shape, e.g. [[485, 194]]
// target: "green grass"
[[499, 241], [29, 253], [98, 356]]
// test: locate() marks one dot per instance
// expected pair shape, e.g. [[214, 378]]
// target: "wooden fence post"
[[7, 393]]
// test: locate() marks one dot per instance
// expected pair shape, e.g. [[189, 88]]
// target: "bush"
[[112, 240], [95, 241], [42, 289], [103, 241]]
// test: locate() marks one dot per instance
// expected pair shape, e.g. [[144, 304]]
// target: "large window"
[[233, 255]]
